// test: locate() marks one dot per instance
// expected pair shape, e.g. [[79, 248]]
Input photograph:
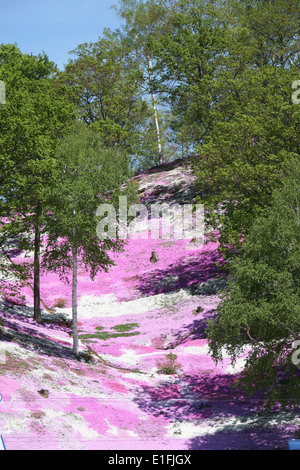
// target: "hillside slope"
[[129, 319]]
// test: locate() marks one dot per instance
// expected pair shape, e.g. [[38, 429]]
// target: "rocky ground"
[[130, 319]]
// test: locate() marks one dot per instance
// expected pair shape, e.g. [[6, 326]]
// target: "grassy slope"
[[130, 318]]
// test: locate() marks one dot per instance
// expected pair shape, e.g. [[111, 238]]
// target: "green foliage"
[[255, 124], [260, 308], [106, 87], [104, 335], [240, 163], [36, 116], [169, 365], [89, 174], [2, 324], [187, 58], [122, 331], [125, 327], [87, 356], [226, 70], [60, 302], [145, 20]]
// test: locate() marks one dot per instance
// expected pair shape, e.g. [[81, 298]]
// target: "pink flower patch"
[[8, 387], [115, 386]]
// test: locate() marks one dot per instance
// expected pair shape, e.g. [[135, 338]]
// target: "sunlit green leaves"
[[260, 308]]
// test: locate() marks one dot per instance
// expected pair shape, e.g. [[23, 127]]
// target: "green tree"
[[143, 21], [90, 175], [227, 68], [273, 28], [240, 163], [36, 115], [255, 123], [106, 87], [259, 312], [187, 59]]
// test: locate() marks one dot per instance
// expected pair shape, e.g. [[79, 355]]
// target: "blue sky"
[[54, 26]]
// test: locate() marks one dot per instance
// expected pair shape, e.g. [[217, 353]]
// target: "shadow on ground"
[[21, 328], [194, 331], [226, 417], [197, 274], [246, 438]]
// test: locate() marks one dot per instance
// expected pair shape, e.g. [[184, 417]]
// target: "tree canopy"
[[259, 312], [37, 114], [88, 174]]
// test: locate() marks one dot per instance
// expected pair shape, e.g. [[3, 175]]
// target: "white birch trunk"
[[74, 293], [158, 138], [74, 301]]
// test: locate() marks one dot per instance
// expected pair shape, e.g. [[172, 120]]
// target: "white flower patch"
[[112, 430], [14, 424], [131, 358], [17, 351], [108, 306], [237, 367], [79, 425], [198, 350]]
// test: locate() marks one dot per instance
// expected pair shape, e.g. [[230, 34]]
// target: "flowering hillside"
[[146, 380]]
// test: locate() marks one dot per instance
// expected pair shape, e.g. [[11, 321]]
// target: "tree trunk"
[[74, 302], [36, 269], [158, 138]]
